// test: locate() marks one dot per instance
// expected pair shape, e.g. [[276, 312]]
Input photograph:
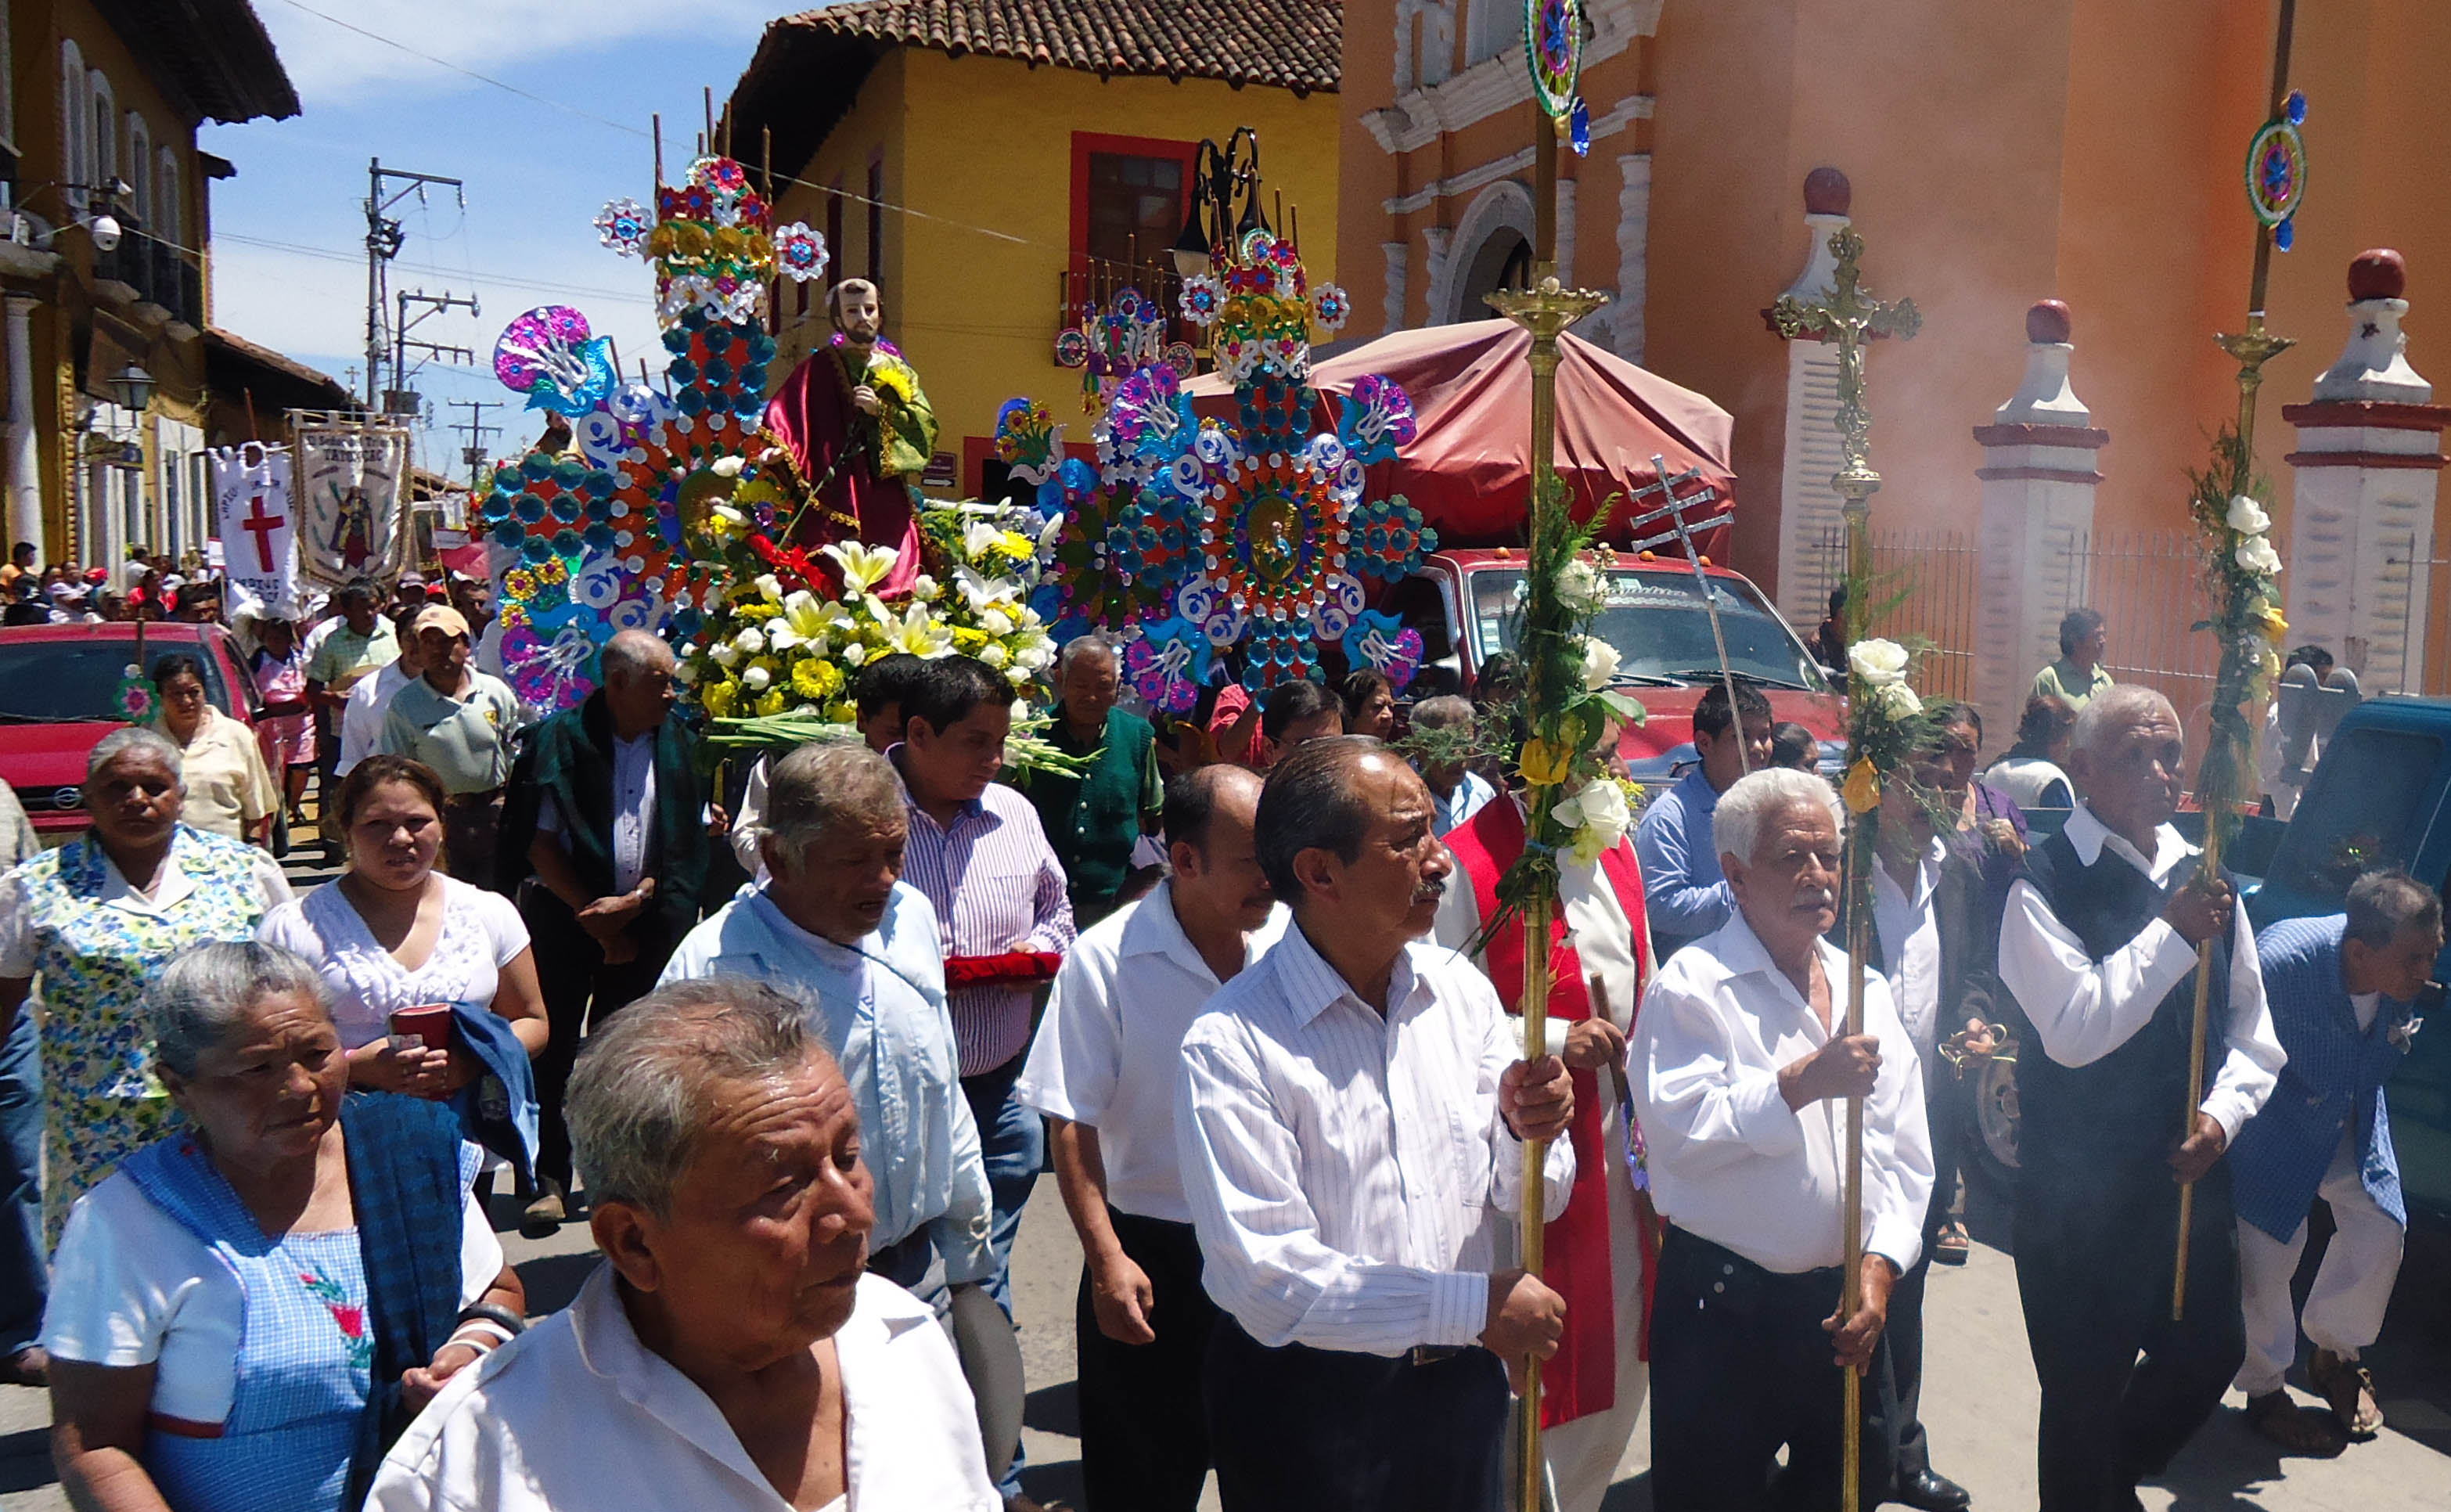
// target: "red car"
[[1463, 604], [56, 683]]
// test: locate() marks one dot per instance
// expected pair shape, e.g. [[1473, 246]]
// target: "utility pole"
[[475, 428], [384, 237], [434, 304]]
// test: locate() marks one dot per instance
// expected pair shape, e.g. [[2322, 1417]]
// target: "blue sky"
[[536, 174]]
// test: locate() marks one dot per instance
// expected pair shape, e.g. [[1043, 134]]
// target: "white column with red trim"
[[2369, 463], [2039, 472]]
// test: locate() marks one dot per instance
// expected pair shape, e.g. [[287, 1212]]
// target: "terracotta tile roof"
[[1296, 45]]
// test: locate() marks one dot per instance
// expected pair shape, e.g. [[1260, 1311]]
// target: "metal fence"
[[1926, 588]]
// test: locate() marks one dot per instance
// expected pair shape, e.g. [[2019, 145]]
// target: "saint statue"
[[860, 431]]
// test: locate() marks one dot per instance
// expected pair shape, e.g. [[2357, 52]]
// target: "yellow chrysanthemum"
[[774, 701], [721, 698]]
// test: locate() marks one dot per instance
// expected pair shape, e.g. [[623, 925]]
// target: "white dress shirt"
[[1730, 1161], [2083, 1008], [1911, 946], [633, 809], [577, 1413], [1108, 1047], [880, 1006], [1340, 1164], [362, 716]]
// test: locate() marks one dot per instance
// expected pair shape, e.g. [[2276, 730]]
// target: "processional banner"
[[255, 519], [351, 485]]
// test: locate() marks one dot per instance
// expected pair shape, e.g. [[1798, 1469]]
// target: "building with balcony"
[[999, 165], [103, 273]]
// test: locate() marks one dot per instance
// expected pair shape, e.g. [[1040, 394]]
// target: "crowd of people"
[[799, 1049]]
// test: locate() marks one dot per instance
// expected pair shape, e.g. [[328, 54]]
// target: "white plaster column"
[[2368, 462], [1391, 300], [1808, 506], [2039, 475], [1633, 255], [24, 473], [1566, 233], [1438, 239]]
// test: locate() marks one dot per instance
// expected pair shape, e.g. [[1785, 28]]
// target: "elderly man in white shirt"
[[834, 927], [1741, 1070], [1347, 1114], [733, 1351], [1103, 1071], [2100, 947]]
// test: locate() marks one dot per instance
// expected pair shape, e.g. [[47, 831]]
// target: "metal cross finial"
[[1672, 509], [1847, 318]]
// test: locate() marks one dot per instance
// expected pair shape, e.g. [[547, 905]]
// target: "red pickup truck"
[[55, 703], [1463, 604]]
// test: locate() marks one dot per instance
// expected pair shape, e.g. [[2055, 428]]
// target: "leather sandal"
[[1951, 1247], [2349, 1388], [2273, 1416]]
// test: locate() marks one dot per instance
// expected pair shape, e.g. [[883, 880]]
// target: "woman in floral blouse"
[[97, 919]]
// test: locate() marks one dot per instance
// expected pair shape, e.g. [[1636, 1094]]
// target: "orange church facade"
[[2088, 150]]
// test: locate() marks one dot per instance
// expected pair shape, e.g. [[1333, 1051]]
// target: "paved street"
[[1979, 1400], [1979, 1403]]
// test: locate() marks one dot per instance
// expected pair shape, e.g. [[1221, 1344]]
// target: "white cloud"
[[520, 42]]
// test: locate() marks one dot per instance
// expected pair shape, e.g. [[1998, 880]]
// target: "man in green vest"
[[1095, 821]]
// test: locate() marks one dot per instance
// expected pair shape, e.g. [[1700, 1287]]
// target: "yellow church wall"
[[978, 155]]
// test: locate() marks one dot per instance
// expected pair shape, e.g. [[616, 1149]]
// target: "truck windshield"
[[1657, 622], [2363, 811], [63, 681]]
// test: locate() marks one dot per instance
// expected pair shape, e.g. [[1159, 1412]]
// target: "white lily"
[[863, 566], [925, 589], [916, 634], [769, 587], [978, 540]]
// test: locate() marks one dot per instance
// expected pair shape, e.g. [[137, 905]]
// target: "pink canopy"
[[1469, 469]]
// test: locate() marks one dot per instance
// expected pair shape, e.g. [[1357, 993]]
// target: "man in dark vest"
[[1094, 822], [616, 807], [2099, 947]]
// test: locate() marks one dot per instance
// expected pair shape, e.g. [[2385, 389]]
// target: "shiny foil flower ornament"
[[622, 225], [800, 253], [1331, 307]]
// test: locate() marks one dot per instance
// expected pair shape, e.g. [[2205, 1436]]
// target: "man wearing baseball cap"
[[458, 721]]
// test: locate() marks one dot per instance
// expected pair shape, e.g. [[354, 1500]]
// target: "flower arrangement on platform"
[[781, 640], [2240, 570], [1571, 712]]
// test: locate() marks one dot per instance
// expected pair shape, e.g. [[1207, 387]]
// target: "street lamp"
[[1209, 204], [132, 388]]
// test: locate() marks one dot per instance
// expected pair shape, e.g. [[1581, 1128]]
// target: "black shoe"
[[1933, 1493]]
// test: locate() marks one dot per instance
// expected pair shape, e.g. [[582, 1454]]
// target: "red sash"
[[1582, 1378]]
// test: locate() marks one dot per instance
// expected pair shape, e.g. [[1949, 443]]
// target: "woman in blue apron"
[[249, 1311]]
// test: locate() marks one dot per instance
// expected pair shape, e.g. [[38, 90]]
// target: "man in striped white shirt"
[[1347, 1114]]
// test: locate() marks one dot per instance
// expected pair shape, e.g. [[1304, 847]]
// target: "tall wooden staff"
[[1848, 317], [2276, 182]]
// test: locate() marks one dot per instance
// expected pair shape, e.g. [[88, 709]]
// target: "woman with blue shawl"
[[249, 1310]]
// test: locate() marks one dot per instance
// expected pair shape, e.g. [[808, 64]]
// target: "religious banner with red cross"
[[256, 520]]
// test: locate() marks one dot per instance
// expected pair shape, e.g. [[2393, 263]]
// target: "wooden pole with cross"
[[1850, 319]]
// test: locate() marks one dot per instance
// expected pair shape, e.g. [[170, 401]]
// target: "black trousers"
[[1144, 1433], [1739, 1365], [2095, 1256], [1945, 1116], [581, 992], [1321, 1430]]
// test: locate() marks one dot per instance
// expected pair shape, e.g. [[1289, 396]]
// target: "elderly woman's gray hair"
[[648, 1083], [2114, 710], [1748, 809], [825, 786], [142, 741], [206, 993]]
